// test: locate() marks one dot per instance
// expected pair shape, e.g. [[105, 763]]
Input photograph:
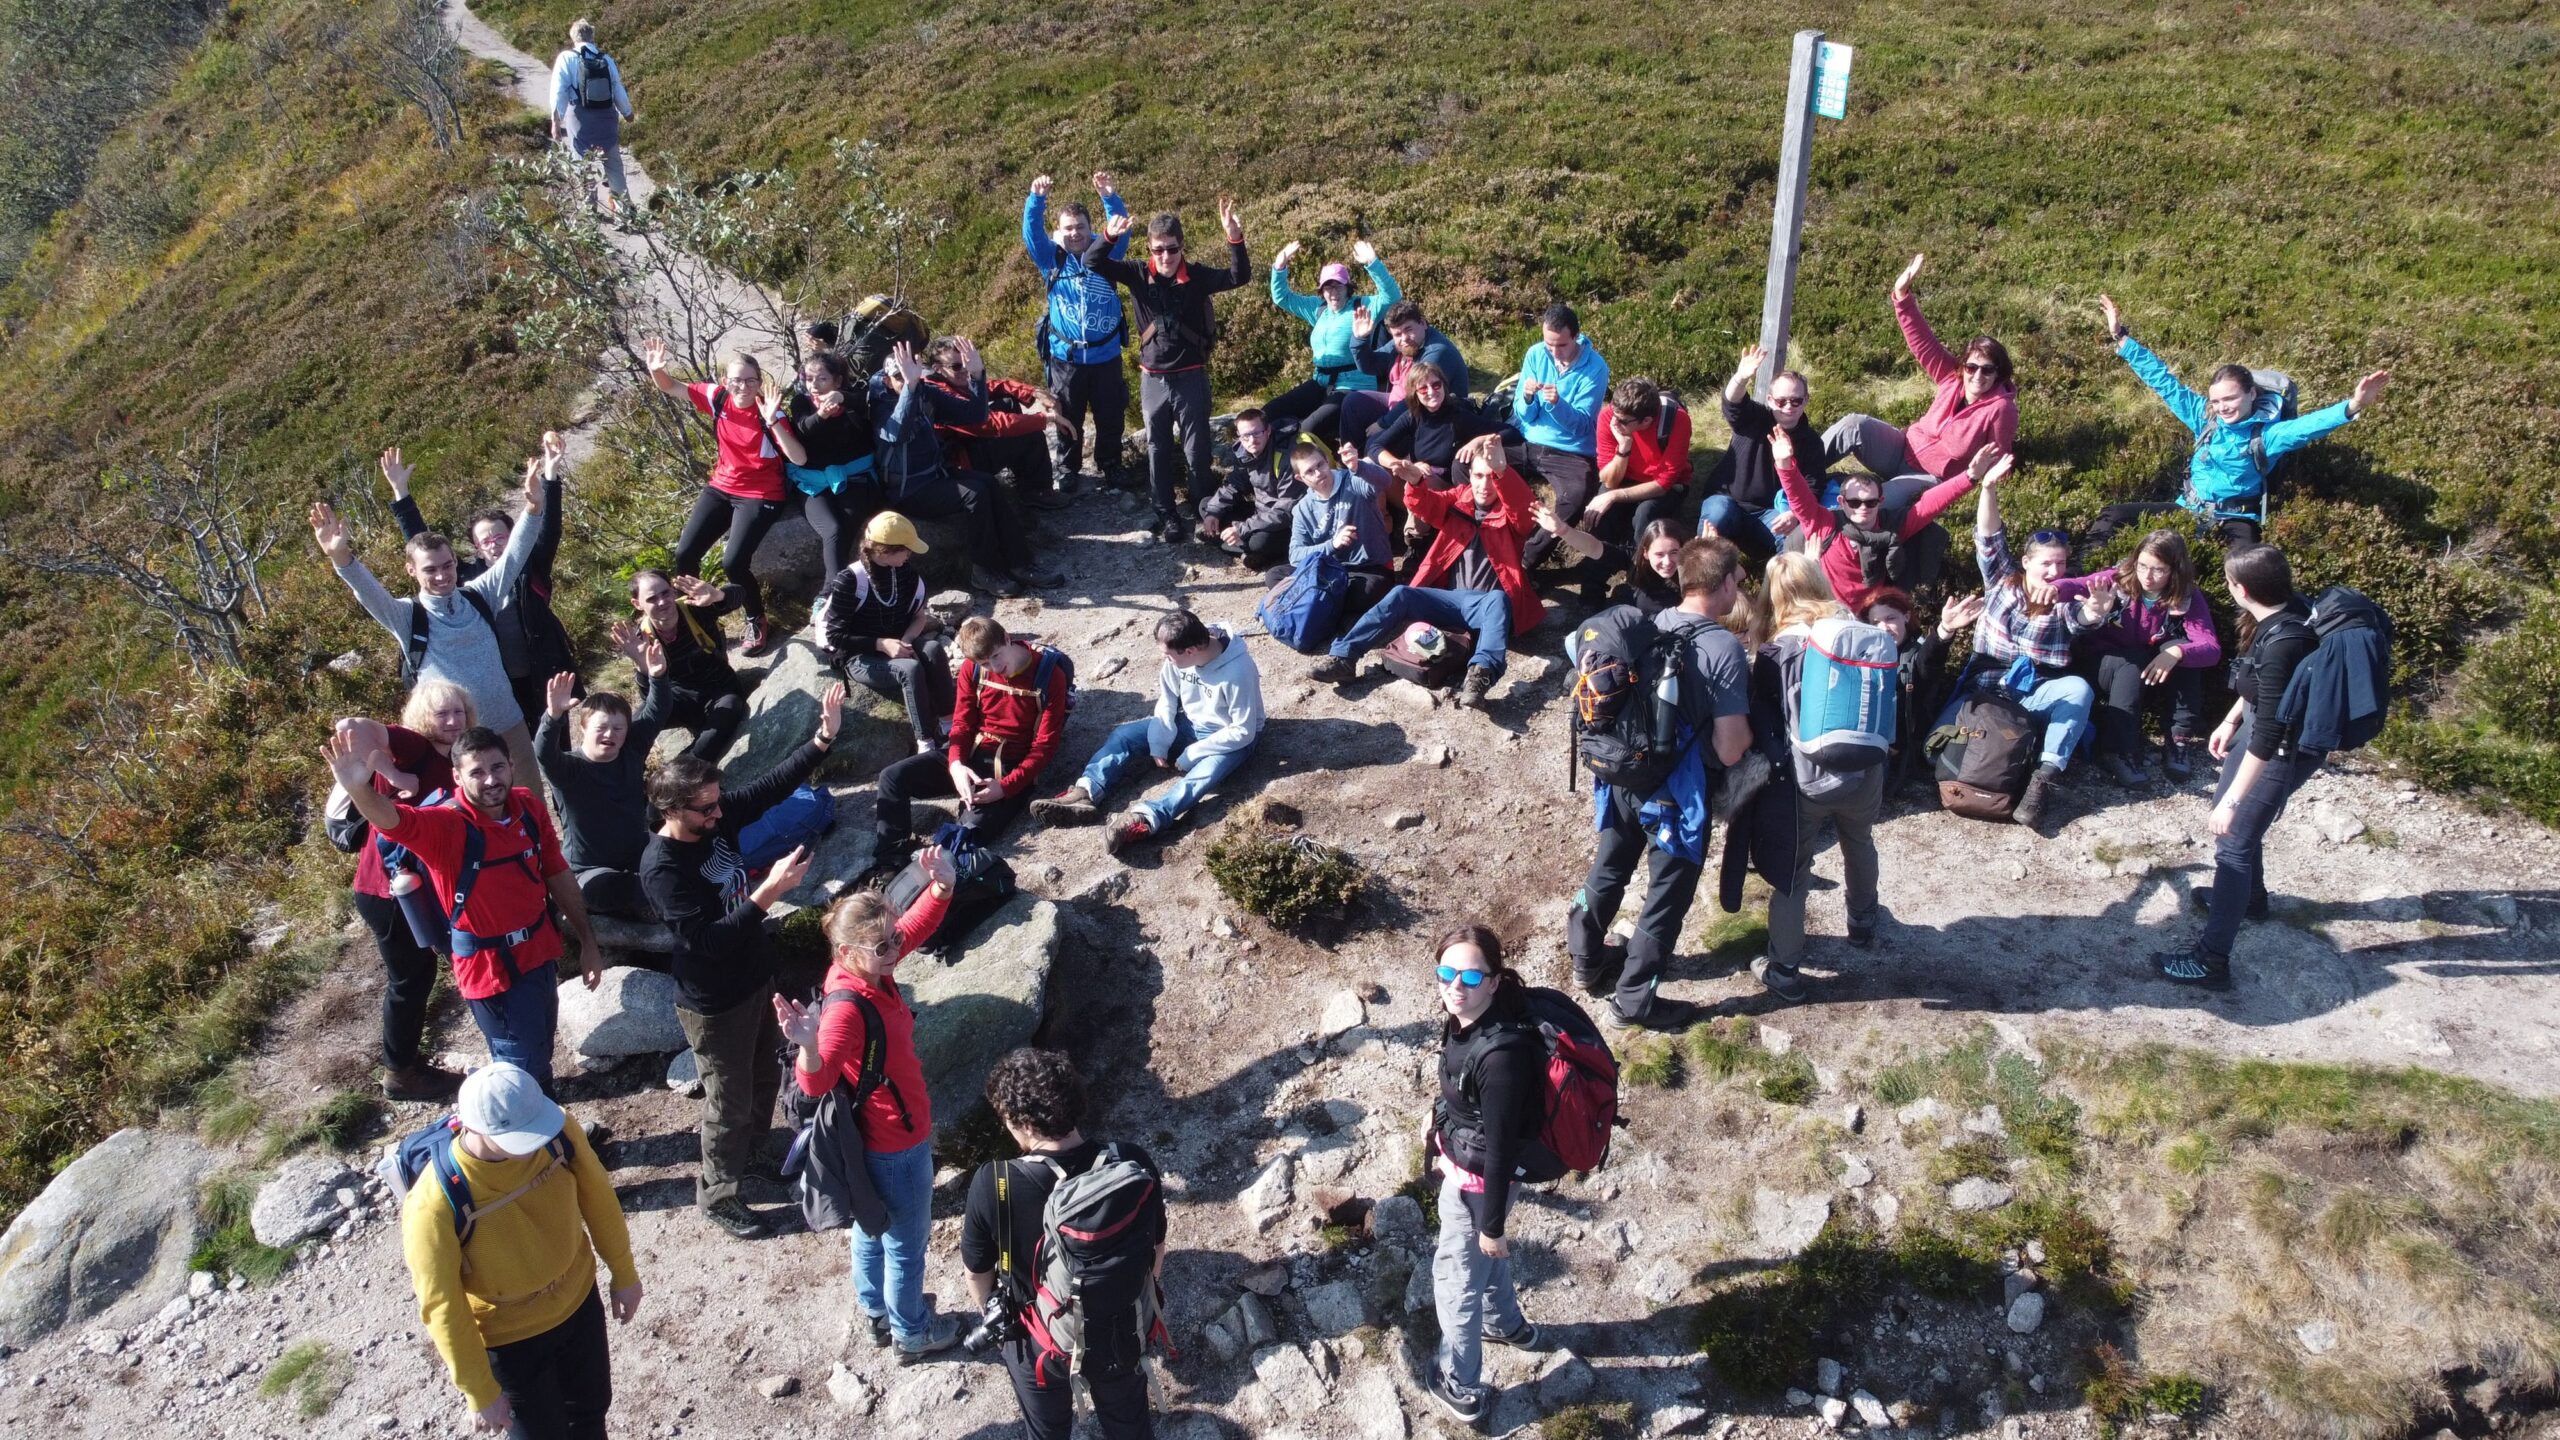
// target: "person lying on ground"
[[1208, 715], [877, 631], [680, 615], [531, 638], [2238, 438], [595, 753], [2152, 653], [749, 483], [1249, 516], [1007, 717], [1976, 404], [1176, 332], [1473, 578]]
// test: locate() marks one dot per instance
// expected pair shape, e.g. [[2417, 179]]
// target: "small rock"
[[1871, 1411], [1833, 1410], [301, 1201], [1775, 1040], [2336, 824], [1290, 1379], [1925, 1111], [1397, 1220], [2026, 1313], [175, 1310], [2319, 1337], [2035, 1252], [1854, 1118], [851, 1391], [348, 663], [1270, 1279], [1267, 1198], [1827, 1375], [1787, 1223], [1797, 1399], [1663, 1283], [1629, 1237], [103, 1342], [2015, 1284], [776, 1387], [1987, 1122], [684, 1075], [1975, 1193], [1405, 692], [382, 1424], [1258, 1327], [1343, 1012], [1436, 756], [1404, 820], [2017, 869], [1856, 1173], [1225, 1336], [1671, 1420], [1111, 667], [1887, 1207], [1334, 1308], [202, 1283], [1417, 1290]]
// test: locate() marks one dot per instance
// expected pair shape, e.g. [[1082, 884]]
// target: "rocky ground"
[[1281, 1078]]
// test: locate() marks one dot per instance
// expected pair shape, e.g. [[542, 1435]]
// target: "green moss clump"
[[1285, 879]]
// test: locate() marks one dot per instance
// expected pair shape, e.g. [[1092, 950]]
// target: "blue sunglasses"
[[2050, 537], [1469, 978]]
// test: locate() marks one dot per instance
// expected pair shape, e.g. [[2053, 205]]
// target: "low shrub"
[[2430, 602], [2515, 679], [230, 1247], [1285, 879], [313, 1373]]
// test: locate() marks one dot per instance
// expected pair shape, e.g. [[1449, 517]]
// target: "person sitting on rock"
[[1312, 408], [2025, 619], [827, 452], [1249, 516], [830, 1045], [595, 753], [918, 480], [876, 629], [508, 1295], [1341, 516], [1014, 438], [750, 427], [1975, 405], [1743, 500], [1922, 663], [696, 879], [1652, 564], [1427, 428], [1483, 1124], [1644, 461], [1472, 578], [1563, 385], [1007, 717], [530, 635], [680, 614], [505, 935], [1041, 1102], [1672, 822], [1208, 715], [1401, 340], [2151, 655], [1864, 543]]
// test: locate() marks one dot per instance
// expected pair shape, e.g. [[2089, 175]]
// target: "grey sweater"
[[460, 645]]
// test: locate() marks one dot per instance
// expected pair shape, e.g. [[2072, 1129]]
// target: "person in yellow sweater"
[[508, 1290]]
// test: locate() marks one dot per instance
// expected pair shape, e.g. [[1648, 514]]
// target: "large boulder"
[[632, 1012], [969, 1013], [782, 715], [122, 1221], [302, 1200]]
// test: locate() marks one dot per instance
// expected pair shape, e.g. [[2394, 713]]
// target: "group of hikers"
[[1766, 647]]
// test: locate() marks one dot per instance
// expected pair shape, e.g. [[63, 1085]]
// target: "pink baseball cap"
[[1337, 271]]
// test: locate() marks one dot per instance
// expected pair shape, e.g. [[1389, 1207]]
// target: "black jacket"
[[700, 887], [865, 605], [544, 641], [1748, 472], [1176, 330], [2279, 643], [1432, 437], [1492, 1088], [697, 653]]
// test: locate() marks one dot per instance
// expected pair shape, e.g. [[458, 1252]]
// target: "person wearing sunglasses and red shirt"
[[1976, 405]]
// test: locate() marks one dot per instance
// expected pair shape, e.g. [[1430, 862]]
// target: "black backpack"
[[595, 79], [981, 883], [826, 1159], [414, 654], [1095, 1268], [2319, 679], [1984, 769], [877, 326], [1626, 698]]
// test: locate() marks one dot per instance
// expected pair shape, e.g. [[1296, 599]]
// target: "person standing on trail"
[[530, 635], [508, 1291], [1176, 332], [412, 760], [588, 106], [1083, 328]]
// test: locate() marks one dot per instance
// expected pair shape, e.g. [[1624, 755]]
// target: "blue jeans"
[[2240, 857], [2065, 703], [904, 1179], [1486, 612], [1739, 524], [1126, 747], [519, 1021]]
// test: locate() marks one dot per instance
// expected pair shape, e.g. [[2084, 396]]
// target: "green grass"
[[340, 1123], [312, 1373], [230, 1247], [1656, 1063], [1611, 1421]]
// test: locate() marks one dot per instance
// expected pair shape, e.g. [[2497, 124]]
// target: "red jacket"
[[999, 424], [841, 1039], [512, 892], [1840, 562], [1000, 728], [1452, 512], [1942, 440]]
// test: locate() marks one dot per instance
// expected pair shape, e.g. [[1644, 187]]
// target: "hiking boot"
[[1044, 497], [1208, 533], [2121, 771], [733, 1216], [1670, 1017], [2039, 789], [1071, 806], [1862, 936], [762, 638], [1121, 477], [1333, 670], [2178, 761], [1030, 573], [1124, 835], [2257, 911], [993, 582], [1600, 977], [872, 1328], [422, 1081], [1470, 1404], [1471, 691], [1781, 979], [2193, 967], [940, 1333], [1173, 530], [1527, 1337]]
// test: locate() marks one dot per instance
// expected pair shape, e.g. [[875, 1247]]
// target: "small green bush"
[[1790, 1081], [230, 1247], [2429, 602], [1657, 1063], [2515, 679], [1763, 1333], [2473, 759], [1938, 1265], [1285, 879], [313, 1373], [1590, 1422]]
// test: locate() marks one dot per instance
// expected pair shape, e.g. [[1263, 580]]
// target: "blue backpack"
[[796, 819], [1843, 694], [1301, 611], [431, 1152]]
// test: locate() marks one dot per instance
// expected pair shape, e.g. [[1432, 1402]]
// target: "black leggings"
[[928, 777], [1311, 407], [838, 517], [2122, 699], [714, 720], [2236, 531], [746, 521], [560, 1381], [922, 680], [408, 978], [996, 540]]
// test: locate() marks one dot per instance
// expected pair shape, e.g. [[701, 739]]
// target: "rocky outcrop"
[[309, 1195], [632, 1012], [121, 1222], [970, 1012]]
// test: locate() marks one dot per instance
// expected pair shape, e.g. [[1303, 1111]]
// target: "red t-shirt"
[[1663, 462], [841, 1038], [748, 465], [416, 754], [507, 897]]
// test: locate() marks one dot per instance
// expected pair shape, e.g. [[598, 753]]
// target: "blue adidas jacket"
[[2223, 470], [1086, 325]]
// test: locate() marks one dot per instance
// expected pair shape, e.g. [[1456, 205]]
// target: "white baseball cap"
[[502, 1101]]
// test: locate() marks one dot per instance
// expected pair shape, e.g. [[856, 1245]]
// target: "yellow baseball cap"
[[891, 528]]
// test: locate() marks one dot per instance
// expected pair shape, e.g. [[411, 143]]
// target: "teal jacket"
[[1329, 330], [2227, 465]]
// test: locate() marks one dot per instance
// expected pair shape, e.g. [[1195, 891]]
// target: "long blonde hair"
[[1793, 591]]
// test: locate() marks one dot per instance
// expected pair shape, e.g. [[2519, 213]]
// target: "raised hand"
[[1994, 470], [626, 638], [1231, 219], [1749, 365], [798, 1022], [903, 356], [2115, 320], [2368, 390], [532, 486], [331, 533], [1910, 272], [1782, 446], [350, 761], [769, 398], [554, 451], [831, 713], [970, 359], [937, 867], [1040, 186], [1363, 253], [694, 590], [655, 354], [559, 692], [1349, 452], [1960, 614], [396, 473], [1103, 184], [1116, 226], [1287, 253], [652, 658], [1361, 324], [1545, 515]]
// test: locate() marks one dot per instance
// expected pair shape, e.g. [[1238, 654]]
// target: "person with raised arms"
[[530, 636], [1312, 407], [1176, 332], [1083, 327], [1975, 403], [749, 481]]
